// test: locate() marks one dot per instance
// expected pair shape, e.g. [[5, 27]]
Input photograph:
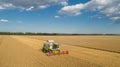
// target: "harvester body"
[[52, 48]]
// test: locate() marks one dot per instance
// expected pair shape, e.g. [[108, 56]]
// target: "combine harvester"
[[51, 48]]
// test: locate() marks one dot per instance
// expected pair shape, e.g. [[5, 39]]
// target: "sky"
[[60, 16]]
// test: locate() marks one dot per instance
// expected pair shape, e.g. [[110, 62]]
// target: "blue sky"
[[60, 16]]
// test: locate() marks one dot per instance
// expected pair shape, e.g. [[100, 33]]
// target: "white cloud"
[[56, 16], [43, 6], [115, 18], [111, 8], [64, 3], [72, 10], [29, 9], [30, 4], [3, 20], [6, 6], [1, 8]]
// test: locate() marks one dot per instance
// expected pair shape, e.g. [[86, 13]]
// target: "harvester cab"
[[52, 48]]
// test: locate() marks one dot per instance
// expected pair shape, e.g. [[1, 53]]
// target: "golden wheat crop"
[[25, 51]]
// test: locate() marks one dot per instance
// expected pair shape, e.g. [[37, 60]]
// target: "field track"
[[22, 51]]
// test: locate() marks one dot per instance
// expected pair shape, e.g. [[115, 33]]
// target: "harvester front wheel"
[[44, 50]]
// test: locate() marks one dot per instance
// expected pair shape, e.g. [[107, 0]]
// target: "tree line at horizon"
[[33, 33]]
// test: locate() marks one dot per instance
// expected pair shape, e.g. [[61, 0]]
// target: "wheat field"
[[85, 51]]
